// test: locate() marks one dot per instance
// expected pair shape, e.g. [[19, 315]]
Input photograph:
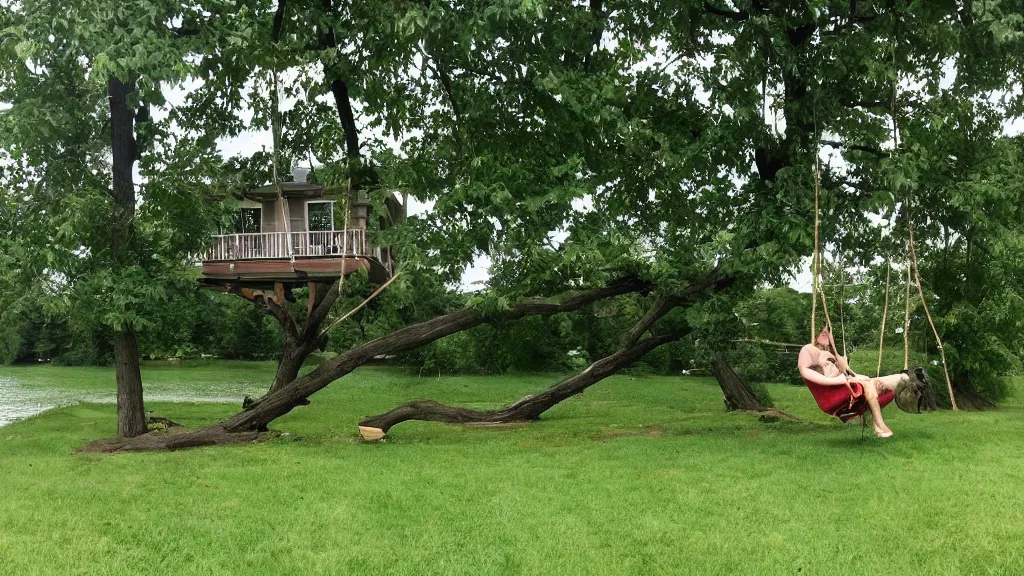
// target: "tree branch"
[[278, 24], [270, 306], [663, 306], [339, 89], [527, 408], [320, 311], [737, 15], [857, 147], [532, 406], [280, 402]]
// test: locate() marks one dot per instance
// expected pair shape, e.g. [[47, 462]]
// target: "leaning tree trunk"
[[131, 415], [738, 395], [525, 409], [282, 401], [528, 408], [299, 341]]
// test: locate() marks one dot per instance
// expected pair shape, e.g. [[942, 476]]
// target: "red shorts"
[[835, 400]]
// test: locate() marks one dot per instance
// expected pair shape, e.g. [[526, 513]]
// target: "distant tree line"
[[201, 323]]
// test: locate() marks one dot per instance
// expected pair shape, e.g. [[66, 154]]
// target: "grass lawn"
[[644, 475]]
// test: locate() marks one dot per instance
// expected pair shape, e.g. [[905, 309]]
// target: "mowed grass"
[[640, 475]]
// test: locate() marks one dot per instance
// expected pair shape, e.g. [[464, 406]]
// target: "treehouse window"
[[248, 221], [320, 216]]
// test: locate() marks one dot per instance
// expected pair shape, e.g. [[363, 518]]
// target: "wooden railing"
[[277, 245]]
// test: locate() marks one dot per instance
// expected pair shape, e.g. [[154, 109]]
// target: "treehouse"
[[295, 233]]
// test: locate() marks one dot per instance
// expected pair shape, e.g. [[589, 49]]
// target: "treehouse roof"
[[290, 190]]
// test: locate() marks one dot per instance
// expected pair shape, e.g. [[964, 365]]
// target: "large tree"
[[82, 83]]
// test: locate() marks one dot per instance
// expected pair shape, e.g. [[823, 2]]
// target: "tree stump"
[[371, 434]]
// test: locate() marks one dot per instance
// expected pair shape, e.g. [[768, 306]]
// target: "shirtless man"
[[818, 365]]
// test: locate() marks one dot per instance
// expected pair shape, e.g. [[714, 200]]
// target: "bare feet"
[[882, 431]]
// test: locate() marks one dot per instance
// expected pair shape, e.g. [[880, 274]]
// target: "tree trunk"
[[525, 409], [292, 359], [737, 395], [299, 343], [131, 415], [968, 399]]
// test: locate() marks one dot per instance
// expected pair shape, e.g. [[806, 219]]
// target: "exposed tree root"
[[771, 414]]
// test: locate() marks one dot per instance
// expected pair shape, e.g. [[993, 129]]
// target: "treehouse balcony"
[[287, 245], [295, 233]]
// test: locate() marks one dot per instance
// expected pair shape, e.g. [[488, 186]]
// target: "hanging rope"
[[816, 258], [816, 289], [885, 314], [828, 320], [275, 135], [906, 322], [764, 98], [842, 299], [275, 132], [361, 304]]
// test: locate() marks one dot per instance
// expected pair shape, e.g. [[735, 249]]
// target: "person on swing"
[[820, 367]]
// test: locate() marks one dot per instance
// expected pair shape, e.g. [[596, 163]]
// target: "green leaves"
[[57, 131]]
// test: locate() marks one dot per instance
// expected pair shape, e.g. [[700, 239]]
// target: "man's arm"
[[808, 355], [843, 361]]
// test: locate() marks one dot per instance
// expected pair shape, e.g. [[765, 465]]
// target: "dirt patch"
[[621, 432]]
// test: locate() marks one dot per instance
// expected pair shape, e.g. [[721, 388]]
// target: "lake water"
[[19, 400]]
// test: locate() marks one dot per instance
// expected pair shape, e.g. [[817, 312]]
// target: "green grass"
[[638, 476]]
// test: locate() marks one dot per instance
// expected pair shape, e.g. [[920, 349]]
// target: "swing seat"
[[835, 400]]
